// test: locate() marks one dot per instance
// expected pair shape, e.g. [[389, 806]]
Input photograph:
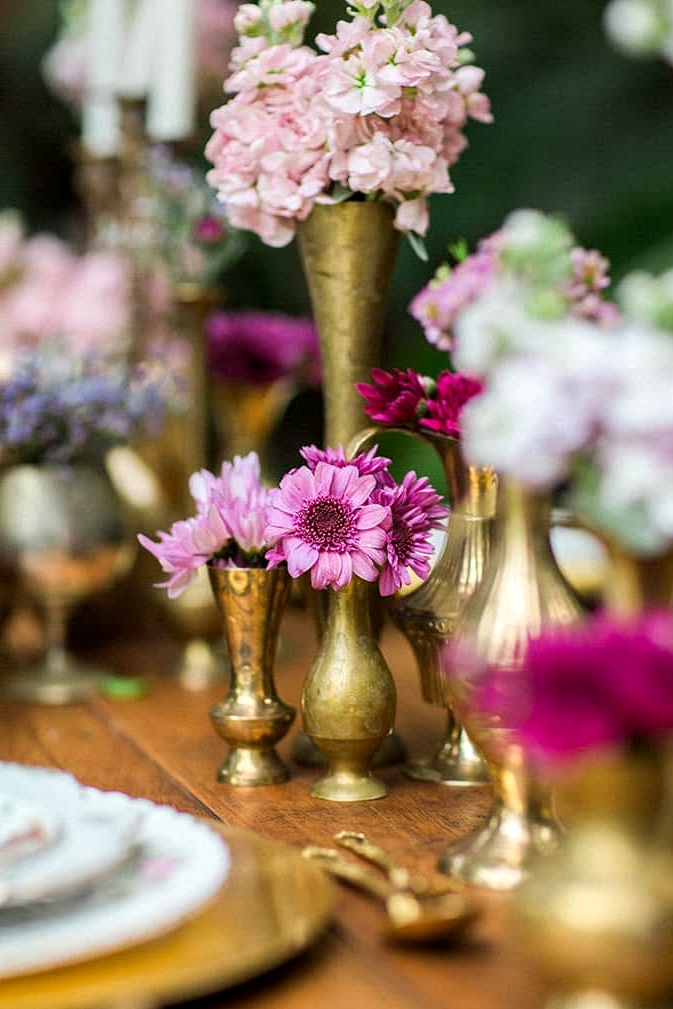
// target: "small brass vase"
[[252, 718], [348, 700], [428, 615], [596, 918], [522, 590]]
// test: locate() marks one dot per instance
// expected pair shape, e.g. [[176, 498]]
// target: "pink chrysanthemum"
[[228, 528], [395, 397], [323, 522], [415, 509], [189, 544], [367, 463], [240, 498], [453, 391]]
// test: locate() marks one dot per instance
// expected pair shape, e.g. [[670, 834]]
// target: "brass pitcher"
[[428, 615], [522, 591], [252, 718], [348, 700]]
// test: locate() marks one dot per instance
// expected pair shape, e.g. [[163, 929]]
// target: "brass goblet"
[[62, 536]]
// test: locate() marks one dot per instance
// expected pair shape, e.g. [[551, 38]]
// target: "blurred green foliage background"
[[579, 130]]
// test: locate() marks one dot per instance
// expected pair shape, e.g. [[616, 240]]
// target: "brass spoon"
[[410, 919], [398, 875]]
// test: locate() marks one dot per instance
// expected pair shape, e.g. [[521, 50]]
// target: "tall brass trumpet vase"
[[428, 615], [348, 254], [348, 700], [252, 718], [522, 590]]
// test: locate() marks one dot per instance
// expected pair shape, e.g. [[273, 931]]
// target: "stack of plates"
[[85, 872]]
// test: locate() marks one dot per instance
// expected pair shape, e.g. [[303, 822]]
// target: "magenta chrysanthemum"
[[367, 463], [453, 391], [609, 682], [415, 509], [394, 397], [323, 522]]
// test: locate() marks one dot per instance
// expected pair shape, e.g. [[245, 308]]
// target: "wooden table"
[[163, 747]]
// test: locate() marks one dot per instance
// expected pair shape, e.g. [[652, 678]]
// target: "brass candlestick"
[[252, 718]]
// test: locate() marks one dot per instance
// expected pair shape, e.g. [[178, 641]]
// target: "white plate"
[[86, 841], [180, 863], [25, 828]]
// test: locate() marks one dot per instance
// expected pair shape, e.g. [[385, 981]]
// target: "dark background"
[[579, 130]]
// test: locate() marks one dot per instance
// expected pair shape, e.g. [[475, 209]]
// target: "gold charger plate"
[[273, 904]]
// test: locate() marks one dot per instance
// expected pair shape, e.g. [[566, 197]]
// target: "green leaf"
[[341, 193], [418, 245]]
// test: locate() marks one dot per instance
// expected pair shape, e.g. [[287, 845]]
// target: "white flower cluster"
[[640, 27]]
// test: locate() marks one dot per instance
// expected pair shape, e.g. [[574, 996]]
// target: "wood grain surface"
[[164, 748]]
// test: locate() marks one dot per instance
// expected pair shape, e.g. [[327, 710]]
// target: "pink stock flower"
[[395, 397], [440, 302], [445, 406], [379, 110], [415, 510], [322, 522]]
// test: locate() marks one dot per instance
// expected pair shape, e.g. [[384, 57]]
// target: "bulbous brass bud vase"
[[348, 700], [252, 718]]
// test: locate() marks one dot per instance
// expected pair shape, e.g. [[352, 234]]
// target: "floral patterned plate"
[[25, 829], [167, 864]]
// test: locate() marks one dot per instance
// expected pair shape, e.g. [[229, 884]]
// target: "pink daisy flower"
[[395, 397], [366, 463], [446, 405], [415, 509], [323, 522]]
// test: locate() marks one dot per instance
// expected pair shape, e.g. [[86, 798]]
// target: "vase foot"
[[247, 768], [498, 856], [307, 754], [453, 763], [70, 685], [345, 786]]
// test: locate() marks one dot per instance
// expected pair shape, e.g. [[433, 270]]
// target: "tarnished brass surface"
[[348, 254], [522, 590], [410, 919], [252, 718], [428, 614], [271, 907], [597, 916], [63, 538], [348, 700]]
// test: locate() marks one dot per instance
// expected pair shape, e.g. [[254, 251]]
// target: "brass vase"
[[180, 450], [428, 614], [63, 538], [596, 917], [348, 255], [246, 416], [348, 700], [252, 718], [522, 591]]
